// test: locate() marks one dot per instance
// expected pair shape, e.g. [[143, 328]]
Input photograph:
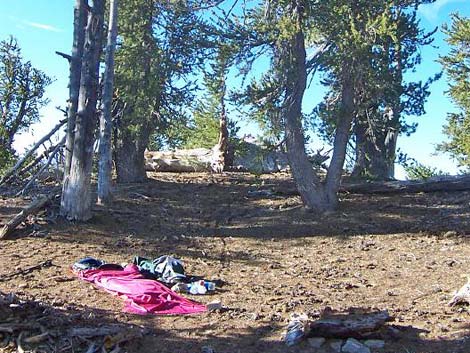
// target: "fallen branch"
[[96, 331], [356, 325], [35, 162], [33, 208], [43, 168], [44, 264], [18, 164], [10, 328]]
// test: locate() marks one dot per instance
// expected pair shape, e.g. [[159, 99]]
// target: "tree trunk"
[[343, 127], [307, 182], [105, 156], [375, 148], [380, 144], [76, 193], [79, 22], [360, 163], [220, 150], [130, 161]]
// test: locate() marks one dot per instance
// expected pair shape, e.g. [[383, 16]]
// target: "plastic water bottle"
[[201, 287], [210, 286], [197, 287]]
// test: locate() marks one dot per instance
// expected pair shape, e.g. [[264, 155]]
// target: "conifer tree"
[[457, 68]]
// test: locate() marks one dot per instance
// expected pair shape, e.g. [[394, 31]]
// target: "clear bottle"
[[201, 287], [197, 287], [210, 286]]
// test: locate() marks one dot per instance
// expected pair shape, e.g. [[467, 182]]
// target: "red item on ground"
[[142, 296]]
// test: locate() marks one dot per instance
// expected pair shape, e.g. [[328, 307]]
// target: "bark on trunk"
[[220, 150], [376, 146], [79, 22], [307, 182], [105, 156], [130, 161], [335, 169], [375, 149], [76, 194]]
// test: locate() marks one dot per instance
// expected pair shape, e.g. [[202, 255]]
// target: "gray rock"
[[336, 345], [316, 342], [375, 344], [354, 346]]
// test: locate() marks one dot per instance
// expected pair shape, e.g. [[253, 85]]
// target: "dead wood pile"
[[36, 326]]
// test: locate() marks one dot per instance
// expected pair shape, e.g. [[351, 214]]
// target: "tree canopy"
[[457, 68], [22, 95]]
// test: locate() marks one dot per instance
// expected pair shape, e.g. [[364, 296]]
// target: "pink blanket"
[[142, 296]]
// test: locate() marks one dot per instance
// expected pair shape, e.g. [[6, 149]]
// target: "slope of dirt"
[[404, 253]]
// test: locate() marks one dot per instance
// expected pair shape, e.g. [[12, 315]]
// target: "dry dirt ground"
[[404, 253]]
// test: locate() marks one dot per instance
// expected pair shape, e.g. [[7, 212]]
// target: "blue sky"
[[45, 26]]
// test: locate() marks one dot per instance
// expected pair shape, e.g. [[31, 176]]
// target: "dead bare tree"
[[76, 193], [105, 156], [75, 60]]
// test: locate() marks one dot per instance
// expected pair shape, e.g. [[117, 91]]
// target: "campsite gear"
[[209, 285], [201, 287], [296, 330], [165, 268], [87, 263], [214, 305], [180, 287], [197, 287], [111, 267], [141, 295]]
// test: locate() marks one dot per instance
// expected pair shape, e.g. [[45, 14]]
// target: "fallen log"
[[346, 325], [191, 160], [447, 183], [250, 158], [33, 208], [94, 331]]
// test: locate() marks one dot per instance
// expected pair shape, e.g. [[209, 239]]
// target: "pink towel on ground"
[[142, 296]]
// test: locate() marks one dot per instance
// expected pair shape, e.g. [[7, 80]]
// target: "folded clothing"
[[166, 268], [141, 295]]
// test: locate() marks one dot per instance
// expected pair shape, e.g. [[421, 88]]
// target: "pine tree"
[[22, 90], [457, 68], [160, 49]]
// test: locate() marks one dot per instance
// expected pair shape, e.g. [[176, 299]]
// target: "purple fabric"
[[141, 296]]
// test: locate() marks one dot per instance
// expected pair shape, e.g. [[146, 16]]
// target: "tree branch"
[[65, 56]]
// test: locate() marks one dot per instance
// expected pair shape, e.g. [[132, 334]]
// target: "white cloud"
[[42, 26], [431, 11]]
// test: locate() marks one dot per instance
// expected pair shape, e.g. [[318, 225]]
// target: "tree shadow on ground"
[[173, 205], [22, 319]]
